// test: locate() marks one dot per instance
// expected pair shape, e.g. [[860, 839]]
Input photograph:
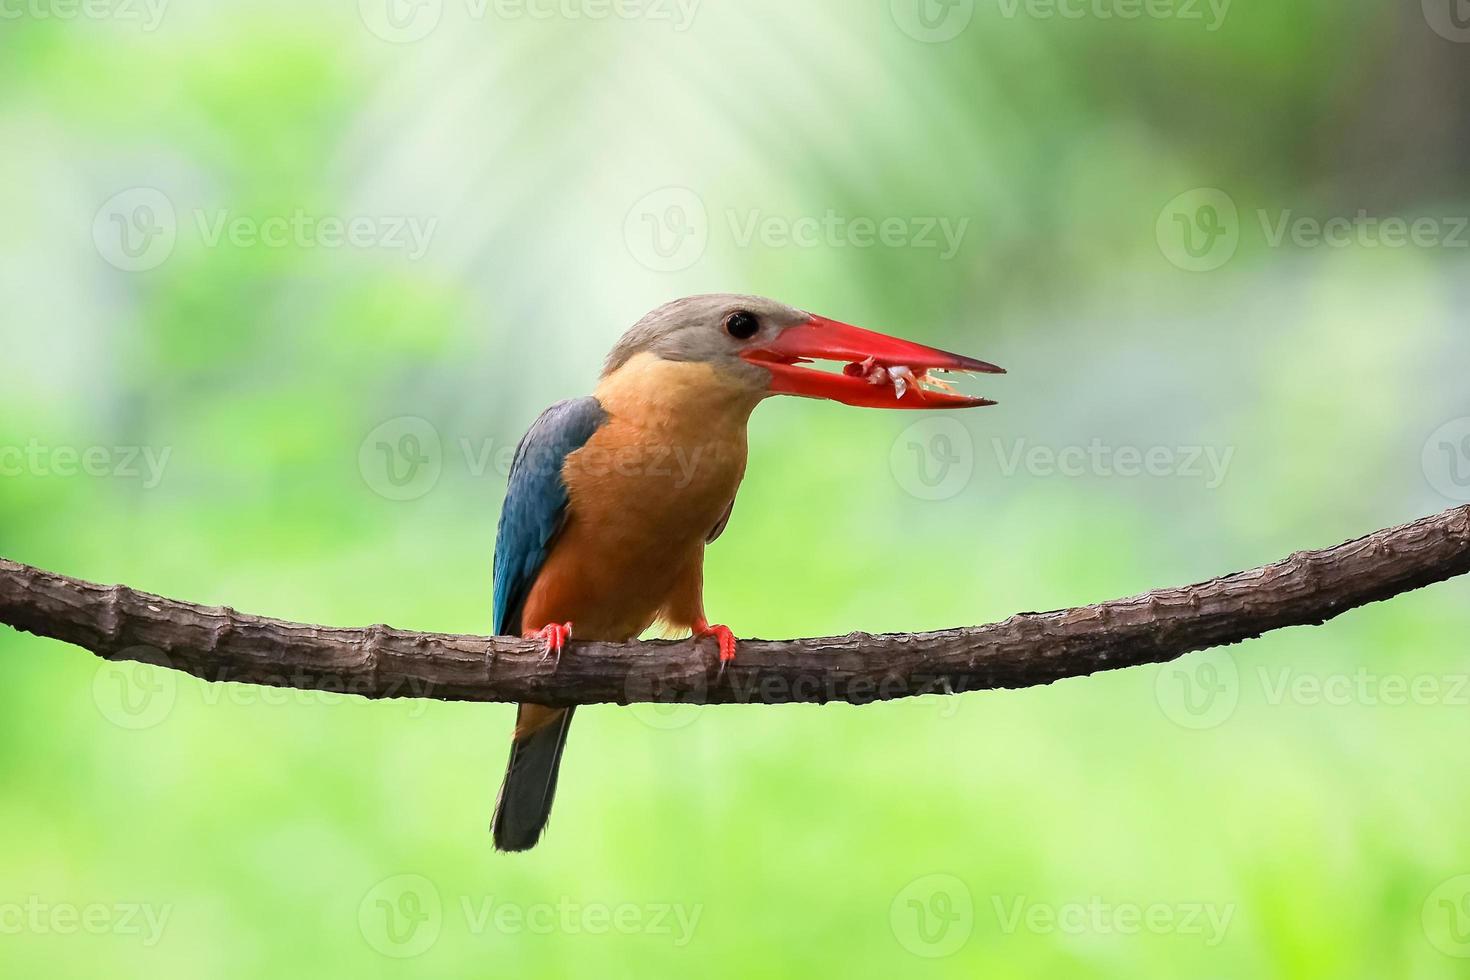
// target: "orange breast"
[[644, 493]]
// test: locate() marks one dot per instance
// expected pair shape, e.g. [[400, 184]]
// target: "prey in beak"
[[878, 371]]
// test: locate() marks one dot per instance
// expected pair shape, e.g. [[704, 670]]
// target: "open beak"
[[880, 371]]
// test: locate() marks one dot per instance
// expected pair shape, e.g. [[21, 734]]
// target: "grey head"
[[714, 328]]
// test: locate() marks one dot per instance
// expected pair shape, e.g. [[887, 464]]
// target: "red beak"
[[881, 371]]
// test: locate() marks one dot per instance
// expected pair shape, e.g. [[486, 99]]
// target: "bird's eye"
[[742, 325]]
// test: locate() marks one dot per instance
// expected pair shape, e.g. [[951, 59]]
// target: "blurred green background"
[[283, 284]]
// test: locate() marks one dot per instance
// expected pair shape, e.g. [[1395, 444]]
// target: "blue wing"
[[536, 503]]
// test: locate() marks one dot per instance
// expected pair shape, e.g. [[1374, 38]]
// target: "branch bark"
[[219, 644]]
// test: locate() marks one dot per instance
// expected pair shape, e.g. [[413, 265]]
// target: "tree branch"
[[219, 644]]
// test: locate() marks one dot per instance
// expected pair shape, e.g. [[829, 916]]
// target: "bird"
[[613, 497]]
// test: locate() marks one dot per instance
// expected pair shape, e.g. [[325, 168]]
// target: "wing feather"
[[536, 503]]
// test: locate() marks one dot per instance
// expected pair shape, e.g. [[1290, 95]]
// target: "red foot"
[[556, 636], [723, 635]]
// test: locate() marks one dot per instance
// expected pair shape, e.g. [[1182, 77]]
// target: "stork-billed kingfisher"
[[613, 497]]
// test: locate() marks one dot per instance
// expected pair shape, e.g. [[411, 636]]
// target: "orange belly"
[[643, 496]]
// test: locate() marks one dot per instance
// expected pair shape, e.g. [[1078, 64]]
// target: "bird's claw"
[[725, 639], [556, 636]]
